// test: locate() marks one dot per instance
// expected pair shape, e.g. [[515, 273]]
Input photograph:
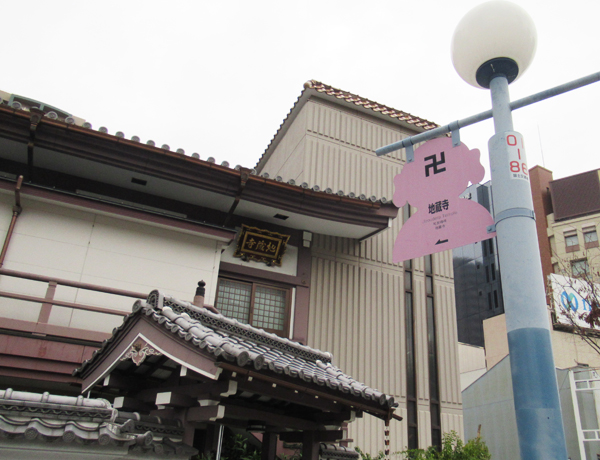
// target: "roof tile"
[[228, 339]]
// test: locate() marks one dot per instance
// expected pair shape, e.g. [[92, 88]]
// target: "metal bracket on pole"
[[455, 125], [455, 138], [508, 213], [410, 153]]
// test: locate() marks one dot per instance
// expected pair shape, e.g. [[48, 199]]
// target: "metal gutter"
[[17, 209]]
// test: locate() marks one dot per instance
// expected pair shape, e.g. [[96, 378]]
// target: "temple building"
[[302, 329]]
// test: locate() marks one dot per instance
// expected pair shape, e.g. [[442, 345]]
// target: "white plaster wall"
[[55, 240], [568, 349], [489, 403], [471, 362], [495, 339]]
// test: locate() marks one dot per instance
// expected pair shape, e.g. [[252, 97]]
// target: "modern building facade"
[[478, 288], [94, 221]]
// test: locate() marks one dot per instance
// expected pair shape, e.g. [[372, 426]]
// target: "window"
[[256, 304], [579, 267], [590, 238], [412, 413], [571, 242], [434, 393]]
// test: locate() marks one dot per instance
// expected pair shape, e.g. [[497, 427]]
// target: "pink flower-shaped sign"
[[433, 183]]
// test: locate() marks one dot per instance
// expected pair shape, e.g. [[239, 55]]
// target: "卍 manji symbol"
[[434, 164], [443, 219]]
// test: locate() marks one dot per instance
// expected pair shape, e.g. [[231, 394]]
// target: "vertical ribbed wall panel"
[[377, 249], [368, 433], [452, 422], [349, 133], [445, 319], [442, 264], [340, 167], [354, 315], [424, 417], [421, 348], [357, 293]]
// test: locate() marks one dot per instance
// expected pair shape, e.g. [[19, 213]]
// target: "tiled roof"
[[35, 417], [229, 340], [331, 451], [368, 104], [49, 115], [353, 99], [576, 196]]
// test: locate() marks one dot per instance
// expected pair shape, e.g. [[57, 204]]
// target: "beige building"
[[378, 313]]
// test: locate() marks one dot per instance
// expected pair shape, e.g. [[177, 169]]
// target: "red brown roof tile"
[[368, 104]]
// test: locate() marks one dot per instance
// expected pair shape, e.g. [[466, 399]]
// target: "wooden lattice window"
[[262, 306]]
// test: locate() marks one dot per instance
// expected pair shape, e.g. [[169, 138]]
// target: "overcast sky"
[[219, 77]]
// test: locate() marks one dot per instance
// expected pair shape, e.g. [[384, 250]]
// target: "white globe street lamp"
[[494, 37], [492, 46]]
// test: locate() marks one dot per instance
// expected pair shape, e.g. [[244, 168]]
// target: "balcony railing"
[[42, 327]]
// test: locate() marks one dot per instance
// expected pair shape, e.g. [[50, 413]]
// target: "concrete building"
[[489, 409], [478, 287], [98, 220], [567, 217]]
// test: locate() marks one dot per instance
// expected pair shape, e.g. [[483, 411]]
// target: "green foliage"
[[297, 455], [235, 447], [380, 455], [452, 449]]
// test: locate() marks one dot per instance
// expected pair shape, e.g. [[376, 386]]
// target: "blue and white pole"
[[492, 46], [535, 389]]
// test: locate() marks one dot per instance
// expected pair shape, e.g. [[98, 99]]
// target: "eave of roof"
[[226, 340], [35, 417], [114, 151], [313, 88]]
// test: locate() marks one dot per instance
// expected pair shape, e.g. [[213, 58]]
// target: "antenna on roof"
[[541, 146]]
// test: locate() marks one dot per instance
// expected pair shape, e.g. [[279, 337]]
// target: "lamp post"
[[492, 46]]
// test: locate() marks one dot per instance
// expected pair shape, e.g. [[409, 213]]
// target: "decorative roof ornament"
[[139, 351]]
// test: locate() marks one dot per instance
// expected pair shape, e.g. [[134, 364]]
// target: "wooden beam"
[[205, 414], [269, 446], [206, 390], [289, 395], [272, 418], [320, 436], [375, 409], [338, 417], [131, 404], [170, 398], [120, 382], [310, 446]]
